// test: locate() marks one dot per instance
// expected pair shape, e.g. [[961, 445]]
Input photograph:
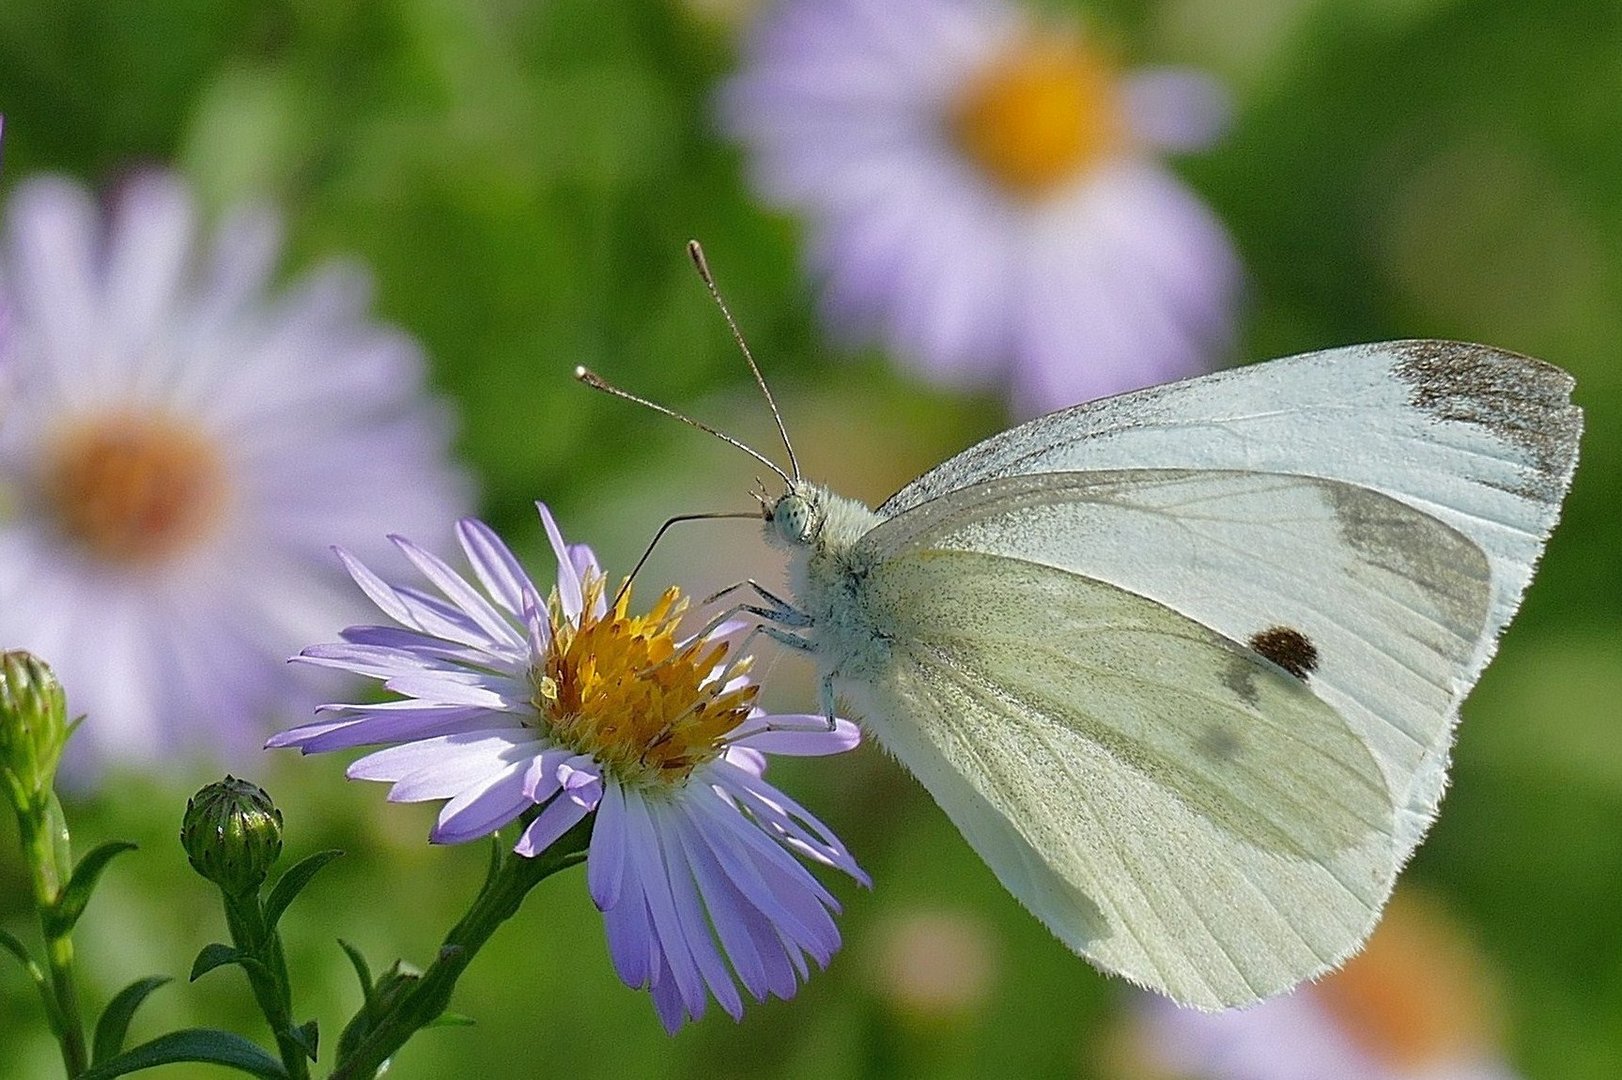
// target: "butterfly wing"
[[1481, 440], [1173, 806], [1393, 605], [1067, 675]]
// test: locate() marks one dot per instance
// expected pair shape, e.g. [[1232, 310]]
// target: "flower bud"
[[232, 834], [33, 727]]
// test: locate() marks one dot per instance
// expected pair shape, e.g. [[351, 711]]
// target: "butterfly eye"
[[796, 519]]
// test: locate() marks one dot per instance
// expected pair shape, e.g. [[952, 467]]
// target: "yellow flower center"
[[1040, 116], [624, 690], [134, 489]]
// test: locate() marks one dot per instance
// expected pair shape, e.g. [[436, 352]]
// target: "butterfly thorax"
[[827, 570]]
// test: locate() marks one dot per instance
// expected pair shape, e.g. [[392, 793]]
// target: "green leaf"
[[449, 1020], [114, 1024], [16, 948], [20, 951], [217, 955], [290, 884], [363, 971], [354, 1033], [213, 956], [71, 904], [307, 1035], [56, 827], [193, 1044]]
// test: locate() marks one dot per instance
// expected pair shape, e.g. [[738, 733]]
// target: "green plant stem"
[[245, 918], [45, 841], [497, 902]]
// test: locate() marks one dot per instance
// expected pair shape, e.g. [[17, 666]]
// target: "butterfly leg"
[[769, 596], [782, 616], [778, 610], [740, 652], [760, 591], [788, 637], [794, 641], [723, 593], [827, 698]]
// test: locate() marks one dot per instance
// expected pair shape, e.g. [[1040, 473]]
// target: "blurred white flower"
[[983, 195], [1416, 1004], [178, 451]]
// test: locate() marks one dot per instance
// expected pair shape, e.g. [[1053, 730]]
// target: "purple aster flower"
[[984, 197], [179, 451], [570, 704]]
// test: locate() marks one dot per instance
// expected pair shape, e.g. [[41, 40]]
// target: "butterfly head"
[[796, 516], [810, 517]]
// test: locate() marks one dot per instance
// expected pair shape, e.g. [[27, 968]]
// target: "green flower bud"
[[232, 834], [33, 727]]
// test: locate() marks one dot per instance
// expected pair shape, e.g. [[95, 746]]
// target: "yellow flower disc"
[[626, 691], [1040, 116]]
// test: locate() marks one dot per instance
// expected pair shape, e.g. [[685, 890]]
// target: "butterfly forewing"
[[1482, 439], [1174, 806]]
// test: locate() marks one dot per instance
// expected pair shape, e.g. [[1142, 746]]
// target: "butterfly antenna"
[[696, 253], [625, 586], [597, 382]]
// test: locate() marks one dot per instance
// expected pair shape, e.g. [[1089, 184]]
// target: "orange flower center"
[[1040, 116], [134, 489], [1417, 995], [624, 690]]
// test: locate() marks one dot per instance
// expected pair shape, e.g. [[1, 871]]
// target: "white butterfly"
[[1183, 665]]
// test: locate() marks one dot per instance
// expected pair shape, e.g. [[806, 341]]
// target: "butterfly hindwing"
[[1177, 808]]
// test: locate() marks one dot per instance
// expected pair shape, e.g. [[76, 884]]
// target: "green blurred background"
[[521, 177]]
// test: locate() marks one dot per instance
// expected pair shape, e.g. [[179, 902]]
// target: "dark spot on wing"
[[1289, 648], [1220, 743], [1448, 567], [1521, 401], [1241, 679]]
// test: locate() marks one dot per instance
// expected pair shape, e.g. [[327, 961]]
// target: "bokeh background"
[[521, 178]]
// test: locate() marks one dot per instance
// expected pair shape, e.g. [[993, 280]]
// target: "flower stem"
[[44, 834], [245, 917], [427, 1000]]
